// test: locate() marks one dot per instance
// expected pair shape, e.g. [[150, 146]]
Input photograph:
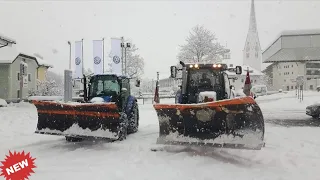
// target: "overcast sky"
[[156, 27]]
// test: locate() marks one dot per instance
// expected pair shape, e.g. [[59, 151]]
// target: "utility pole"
[[124, 47], [122, 64], [103, 55]]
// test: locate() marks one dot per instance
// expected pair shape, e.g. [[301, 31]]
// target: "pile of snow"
[[3, 103], [46, 98], [75, 129], [97, 100]]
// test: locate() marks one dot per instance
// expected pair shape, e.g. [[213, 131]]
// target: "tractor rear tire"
[[134, 119]]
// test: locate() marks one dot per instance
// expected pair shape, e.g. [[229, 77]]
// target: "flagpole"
[[82, 56], [103, 55]]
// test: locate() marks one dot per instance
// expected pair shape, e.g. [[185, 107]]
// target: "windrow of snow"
[[75, 130]]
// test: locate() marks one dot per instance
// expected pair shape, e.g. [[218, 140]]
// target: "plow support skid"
[[234, 123], [78, 120]]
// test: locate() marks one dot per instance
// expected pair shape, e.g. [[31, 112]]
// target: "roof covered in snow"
[[300, 32], [252, 71], [4, 40], [296, 54], [9, 54], [291, 49]]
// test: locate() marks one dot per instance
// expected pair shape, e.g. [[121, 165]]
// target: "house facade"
[[10, 76], [10, 60]]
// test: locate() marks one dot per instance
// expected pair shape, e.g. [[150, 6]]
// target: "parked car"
[[259, 90], [313, 110]]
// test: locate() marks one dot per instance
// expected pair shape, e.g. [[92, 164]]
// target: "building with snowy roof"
[[10, 59], [256, 76], [294, 53]]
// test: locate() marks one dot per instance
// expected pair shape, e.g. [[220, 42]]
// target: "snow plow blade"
[[83, 120], [233, 123]]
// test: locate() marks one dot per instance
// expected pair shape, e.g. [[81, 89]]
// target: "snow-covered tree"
[[201, 46], [52, 86], [135, 63]]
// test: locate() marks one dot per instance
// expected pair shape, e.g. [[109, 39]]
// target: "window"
[[311, 87], [292, 72], [291, 87], [241, 80], [18, 77], [29, 77], [291, 65], [18, 93]]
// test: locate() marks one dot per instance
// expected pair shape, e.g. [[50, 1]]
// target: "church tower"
[[252, 54]]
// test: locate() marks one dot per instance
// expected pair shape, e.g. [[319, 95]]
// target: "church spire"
[[252, 22], [252, 55]]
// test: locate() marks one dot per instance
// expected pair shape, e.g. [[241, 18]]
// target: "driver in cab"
[[112, 86], [205, 82]]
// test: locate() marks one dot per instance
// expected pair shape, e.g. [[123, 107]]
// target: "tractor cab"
[[109, 87], [204, 82]]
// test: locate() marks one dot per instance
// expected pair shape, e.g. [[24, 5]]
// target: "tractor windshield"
[[203, 80], [104, 86]]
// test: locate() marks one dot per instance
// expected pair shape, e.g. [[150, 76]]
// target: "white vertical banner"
[[116, 56], [78, 59], [98, 56]]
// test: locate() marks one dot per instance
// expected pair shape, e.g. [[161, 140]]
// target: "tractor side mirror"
[[173, 70], [238, 70], [137, 83]]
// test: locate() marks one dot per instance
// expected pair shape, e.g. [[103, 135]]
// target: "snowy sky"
[[156, 27]]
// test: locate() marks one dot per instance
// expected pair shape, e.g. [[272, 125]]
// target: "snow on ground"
[[3, 103], [292, 152]]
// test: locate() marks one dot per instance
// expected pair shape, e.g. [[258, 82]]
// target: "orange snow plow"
[[210, 116], [78, 120], [106, 112]]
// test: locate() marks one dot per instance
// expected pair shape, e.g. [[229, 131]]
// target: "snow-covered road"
[[292, 149]]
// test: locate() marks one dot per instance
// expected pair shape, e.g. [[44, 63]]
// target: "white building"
[[256, 77], [169, 84], [292, 54]]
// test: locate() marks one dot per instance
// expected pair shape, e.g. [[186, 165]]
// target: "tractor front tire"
[[123, 128], [134, 119]]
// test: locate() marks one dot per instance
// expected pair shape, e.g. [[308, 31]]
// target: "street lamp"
[[125, 46], [69, 55]]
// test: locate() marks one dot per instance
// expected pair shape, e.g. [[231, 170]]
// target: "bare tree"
[[201, 46]]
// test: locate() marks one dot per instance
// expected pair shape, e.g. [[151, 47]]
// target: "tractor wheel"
[[123, 129], [134, 119]]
